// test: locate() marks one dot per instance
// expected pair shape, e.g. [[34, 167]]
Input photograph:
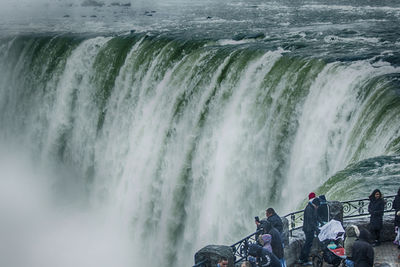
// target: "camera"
[[257, 219]]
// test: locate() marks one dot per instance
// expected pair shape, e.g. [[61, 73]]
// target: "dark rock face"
[[212, 253]]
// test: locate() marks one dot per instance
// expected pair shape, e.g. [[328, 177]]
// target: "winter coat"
[[265, 241], [276, 243], [276, 222], [310, 222], [323, 210], [264, 257], [352, 234], [396, 207], [363, 254], [376, 208]]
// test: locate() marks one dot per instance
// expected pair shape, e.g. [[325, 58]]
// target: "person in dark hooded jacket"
[[376, 208], [276, 240], [323, 210], [396, 207], [363, 253], [274, 219], [310, 228], [264, 258]]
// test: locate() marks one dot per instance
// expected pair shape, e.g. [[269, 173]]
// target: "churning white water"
[[136, 136]]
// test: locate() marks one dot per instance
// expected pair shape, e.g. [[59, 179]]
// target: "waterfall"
[[179, 143]]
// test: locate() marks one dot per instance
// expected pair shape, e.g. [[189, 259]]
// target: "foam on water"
[[149, 137]]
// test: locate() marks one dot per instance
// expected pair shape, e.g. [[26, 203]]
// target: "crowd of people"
[[358, 243]]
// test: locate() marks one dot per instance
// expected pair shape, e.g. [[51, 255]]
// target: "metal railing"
[[351, 209], [240, 248], [359, 207]]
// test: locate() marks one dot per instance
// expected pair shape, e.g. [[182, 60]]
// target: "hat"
[[311, 195], [316, 201], [267, 238], [255, 250]]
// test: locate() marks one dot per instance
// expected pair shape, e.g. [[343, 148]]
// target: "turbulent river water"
[[135, 133]]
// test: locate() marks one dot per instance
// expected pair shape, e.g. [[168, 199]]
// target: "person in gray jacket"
[[352, 234]]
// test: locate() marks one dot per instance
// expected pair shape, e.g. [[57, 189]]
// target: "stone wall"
[[387, 233]]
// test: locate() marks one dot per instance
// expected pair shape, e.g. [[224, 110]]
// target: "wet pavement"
[[387, 255]]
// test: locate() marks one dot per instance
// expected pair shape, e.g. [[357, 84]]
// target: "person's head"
[[269, 212], [376, 194], [223, 262], [265, 239], [245, 264], [311, 195], [255, 250], [316, 202], [352, 231], [267, 226], [364, 234]]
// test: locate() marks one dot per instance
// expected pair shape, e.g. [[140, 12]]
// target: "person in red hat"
[[311, 196], [310, 229]]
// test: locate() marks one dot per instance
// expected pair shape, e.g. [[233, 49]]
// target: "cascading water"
[[154, 144]]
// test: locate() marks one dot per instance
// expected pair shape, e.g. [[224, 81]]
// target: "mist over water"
[[45, 223], [135, 133]]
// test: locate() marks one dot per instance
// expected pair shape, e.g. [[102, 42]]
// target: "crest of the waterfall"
[[73, 114]]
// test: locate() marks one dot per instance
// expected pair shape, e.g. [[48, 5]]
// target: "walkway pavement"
[[386, 255]]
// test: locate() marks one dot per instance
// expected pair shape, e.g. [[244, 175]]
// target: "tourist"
[[265, 241], [396, 207], [363, 253], [274, 219], [222, 262], [352, 234], [310, 228], [311, 196], [276, 242], [375, 208], [323, 210], [262, 257]]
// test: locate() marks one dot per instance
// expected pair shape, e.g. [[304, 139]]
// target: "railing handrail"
[[289, 215]]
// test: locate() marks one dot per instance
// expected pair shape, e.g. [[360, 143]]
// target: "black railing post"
[[292, 223]]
